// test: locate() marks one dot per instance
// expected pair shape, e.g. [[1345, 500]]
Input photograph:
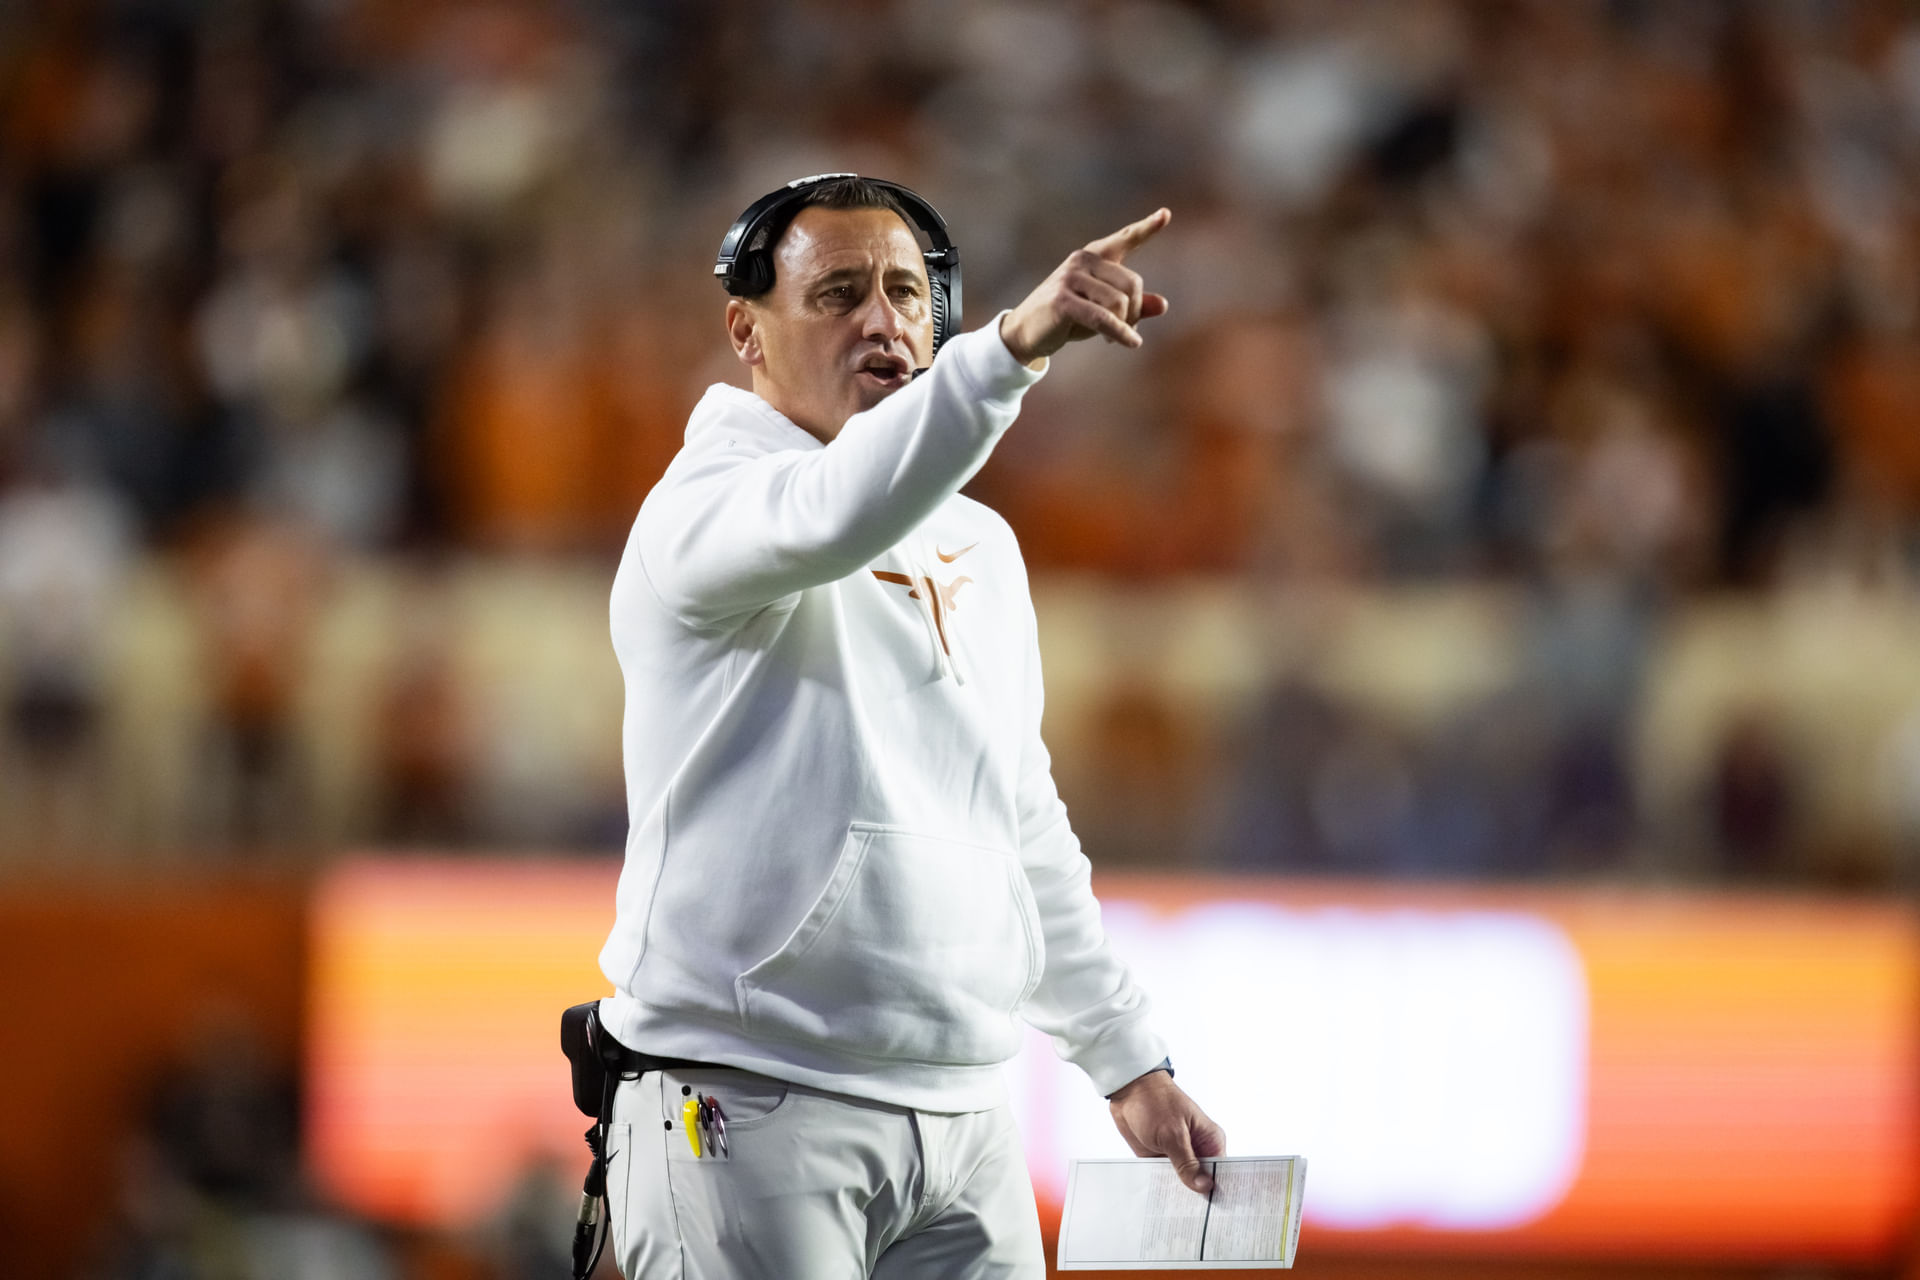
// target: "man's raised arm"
[[735, 528]]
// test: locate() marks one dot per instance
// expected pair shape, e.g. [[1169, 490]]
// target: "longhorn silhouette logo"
[[941, 595]]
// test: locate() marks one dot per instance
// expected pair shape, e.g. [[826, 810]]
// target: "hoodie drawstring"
[[934, 615], [929, 601]]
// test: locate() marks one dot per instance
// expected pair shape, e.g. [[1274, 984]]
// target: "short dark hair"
[[840, 193]]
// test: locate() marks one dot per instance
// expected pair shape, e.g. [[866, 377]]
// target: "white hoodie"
[[847, 864]]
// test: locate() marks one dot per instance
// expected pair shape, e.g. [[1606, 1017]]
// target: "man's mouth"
[[890, 372]]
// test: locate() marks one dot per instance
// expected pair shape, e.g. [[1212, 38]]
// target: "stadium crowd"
[[1610, 305]]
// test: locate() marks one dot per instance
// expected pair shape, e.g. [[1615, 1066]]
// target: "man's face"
[[847, 321]]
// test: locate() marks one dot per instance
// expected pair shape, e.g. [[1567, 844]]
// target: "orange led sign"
[[1571, 1072]]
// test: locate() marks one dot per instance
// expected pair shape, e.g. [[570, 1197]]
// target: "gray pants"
[[816, 1186]]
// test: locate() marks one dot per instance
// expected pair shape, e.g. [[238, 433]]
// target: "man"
[[849, 873]]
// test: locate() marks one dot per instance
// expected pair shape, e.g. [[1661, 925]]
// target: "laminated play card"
[[1136, 1214]]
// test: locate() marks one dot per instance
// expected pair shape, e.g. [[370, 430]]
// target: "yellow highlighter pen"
[[690, 1120]]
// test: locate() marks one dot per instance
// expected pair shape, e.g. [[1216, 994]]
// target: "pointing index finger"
[[1117, 246]]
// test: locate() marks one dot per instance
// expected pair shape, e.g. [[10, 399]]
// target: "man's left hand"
[[1157, 1118]]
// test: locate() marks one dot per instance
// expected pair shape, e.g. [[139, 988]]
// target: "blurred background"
[[1522, 497]]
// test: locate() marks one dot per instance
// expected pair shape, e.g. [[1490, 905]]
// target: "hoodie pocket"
[[919, 949]]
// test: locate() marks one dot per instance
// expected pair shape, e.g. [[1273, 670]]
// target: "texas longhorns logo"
[[940, 595]]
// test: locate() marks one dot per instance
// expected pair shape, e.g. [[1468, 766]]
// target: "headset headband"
[[745, 263]]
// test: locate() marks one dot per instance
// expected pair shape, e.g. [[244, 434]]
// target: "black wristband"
[[1166, 1065]]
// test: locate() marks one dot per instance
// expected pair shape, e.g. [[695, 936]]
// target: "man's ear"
[[744, 329]]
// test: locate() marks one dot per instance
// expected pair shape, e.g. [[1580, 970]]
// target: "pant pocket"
[[918, 948], [619, 1188], [746, 1097]]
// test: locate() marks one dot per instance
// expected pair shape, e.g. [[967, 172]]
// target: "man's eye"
[[840, 291]]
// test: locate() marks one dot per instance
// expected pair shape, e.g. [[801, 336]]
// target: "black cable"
[[593, 1194], [589, 1235]]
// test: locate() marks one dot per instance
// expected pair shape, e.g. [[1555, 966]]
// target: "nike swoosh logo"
[[956, 555]]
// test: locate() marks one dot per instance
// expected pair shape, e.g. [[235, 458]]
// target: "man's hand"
[[1157, 1118], [1092, 292]]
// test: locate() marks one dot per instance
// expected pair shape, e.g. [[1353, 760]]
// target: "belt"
[[632, 1062]]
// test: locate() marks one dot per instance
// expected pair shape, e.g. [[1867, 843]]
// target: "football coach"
[[849, 877]]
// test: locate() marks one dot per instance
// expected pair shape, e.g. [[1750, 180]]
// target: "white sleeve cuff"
[[1122, 1056], [988, 365]]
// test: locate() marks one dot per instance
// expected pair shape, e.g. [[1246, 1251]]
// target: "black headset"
[[745, 265]]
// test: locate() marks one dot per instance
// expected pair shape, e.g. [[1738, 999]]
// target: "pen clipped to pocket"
[[704, 1121]]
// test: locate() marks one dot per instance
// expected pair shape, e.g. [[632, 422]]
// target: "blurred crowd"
[[1612, 305]]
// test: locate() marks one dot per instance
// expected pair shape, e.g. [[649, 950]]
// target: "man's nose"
[[882, 322]]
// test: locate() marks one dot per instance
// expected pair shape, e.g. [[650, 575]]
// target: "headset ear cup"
[[755, 274], [939, 291]]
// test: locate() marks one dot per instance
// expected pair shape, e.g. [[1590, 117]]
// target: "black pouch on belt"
[[581, 1039]]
